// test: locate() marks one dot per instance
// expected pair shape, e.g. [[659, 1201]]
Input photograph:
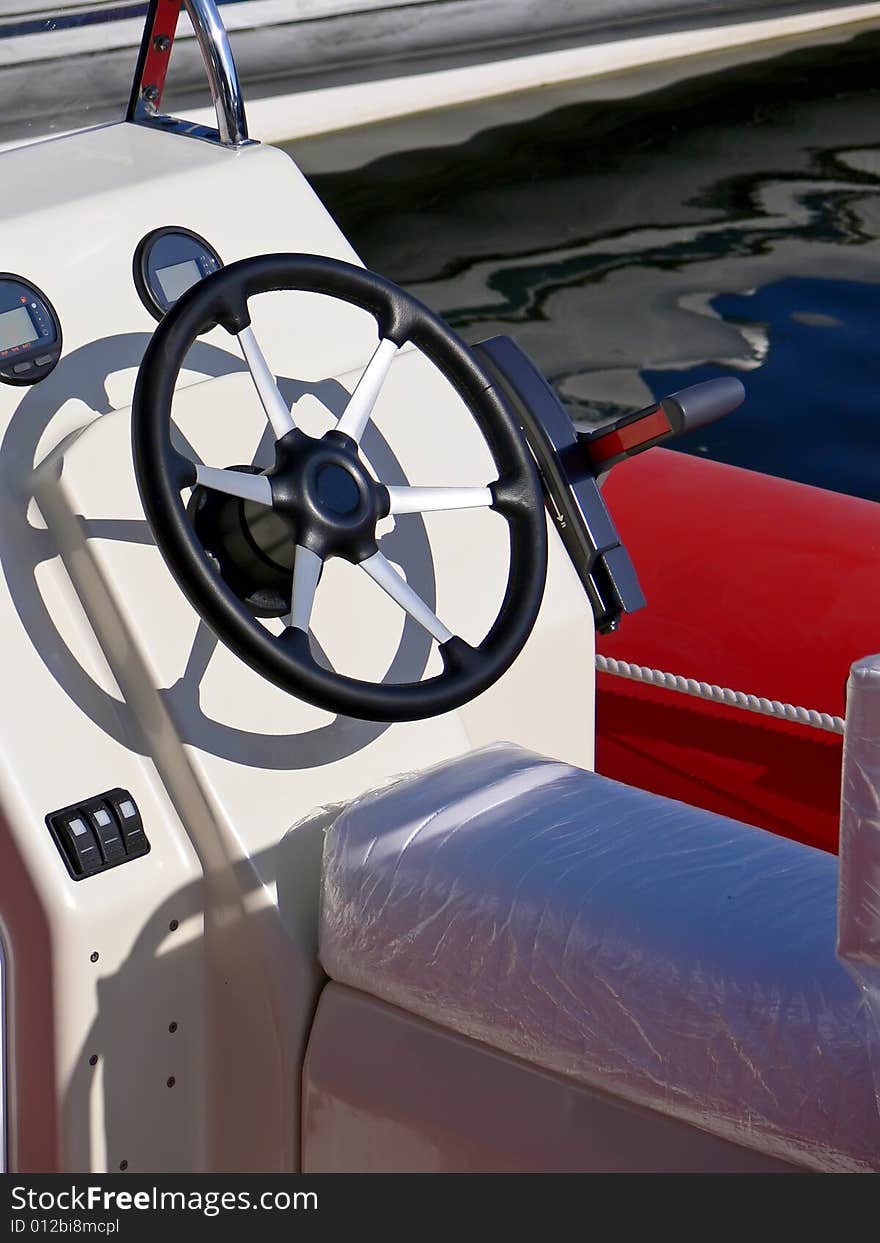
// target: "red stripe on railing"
[[159, 51]]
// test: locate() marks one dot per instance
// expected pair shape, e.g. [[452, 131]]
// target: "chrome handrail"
[[222, 74], [213, 41]]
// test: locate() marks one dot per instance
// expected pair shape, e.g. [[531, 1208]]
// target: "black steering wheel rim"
[[162, 472]]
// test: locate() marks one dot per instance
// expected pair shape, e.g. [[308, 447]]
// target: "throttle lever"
[[680, 412]]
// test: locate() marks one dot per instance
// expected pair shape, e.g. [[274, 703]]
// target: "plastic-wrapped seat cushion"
[[675, 958]]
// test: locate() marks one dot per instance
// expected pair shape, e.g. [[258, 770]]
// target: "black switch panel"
[[98, 833]]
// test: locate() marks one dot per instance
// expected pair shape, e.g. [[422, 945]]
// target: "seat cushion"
[[676, 958]]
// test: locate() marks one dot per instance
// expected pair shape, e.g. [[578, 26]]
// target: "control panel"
[[98, 833], [168, 262], [571, 489], [30, 332]]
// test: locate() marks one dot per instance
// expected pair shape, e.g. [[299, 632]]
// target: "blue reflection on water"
[[812, 411]]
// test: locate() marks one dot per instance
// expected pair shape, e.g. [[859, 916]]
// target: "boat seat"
[[675, 958]]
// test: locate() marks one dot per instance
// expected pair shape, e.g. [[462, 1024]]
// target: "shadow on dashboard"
[[211, 955], [82, 376]]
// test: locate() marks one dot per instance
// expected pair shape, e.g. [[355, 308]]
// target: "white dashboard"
[[112, 681]]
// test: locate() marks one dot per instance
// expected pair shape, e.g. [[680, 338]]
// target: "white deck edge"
[[306, 113]]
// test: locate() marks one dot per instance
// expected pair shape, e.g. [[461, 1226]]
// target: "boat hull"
[[756, 584]]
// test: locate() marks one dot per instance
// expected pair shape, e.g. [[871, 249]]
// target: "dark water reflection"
[[633, 247]]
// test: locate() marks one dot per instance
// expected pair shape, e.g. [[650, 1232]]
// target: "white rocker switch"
[[106, 830], [77, 842], [129, 820]]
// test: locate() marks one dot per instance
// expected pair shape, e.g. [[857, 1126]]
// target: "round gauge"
[[167, 262], [30, 332]]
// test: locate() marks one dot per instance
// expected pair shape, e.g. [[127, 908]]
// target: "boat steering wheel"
[[327, 500]]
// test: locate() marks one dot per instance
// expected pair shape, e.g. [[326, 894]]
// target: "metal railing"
[[152, 67]]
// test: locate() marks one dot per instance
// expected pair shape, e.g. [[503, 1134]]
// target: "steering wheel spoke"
[[280, 418], [238, 483], [307, 567], [357, 413], [381, 571], [433, 500]]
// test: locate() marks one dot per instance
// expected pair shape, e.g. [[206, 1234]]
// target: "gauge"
[[30, 332], [169, 261]]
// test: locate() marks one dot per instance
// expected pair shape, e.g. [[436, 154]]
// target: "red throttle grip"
[[679, 412]]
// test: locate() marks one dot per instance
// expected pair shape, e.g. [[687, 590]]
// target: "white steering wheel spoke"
[[381, 571], [405, 500], [280, 418], [357, 412], [238, 483], [306, 572]]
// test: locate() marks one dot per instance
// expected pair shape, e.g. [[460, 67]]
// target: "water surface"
[[728, 220]]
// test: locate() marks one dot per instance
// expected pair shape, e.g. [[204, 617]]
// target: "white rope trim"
[[721, 695]]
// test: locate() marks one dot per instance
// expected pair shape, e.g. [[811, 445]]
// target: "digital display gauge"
[[168, 262], [30, 332]]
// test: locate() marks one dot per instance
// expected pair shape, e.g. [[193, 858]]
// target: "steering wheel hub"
[[338, 492], [322, 488]]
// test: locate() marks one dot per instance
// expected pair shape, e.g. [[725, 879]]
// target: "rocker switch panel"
[[99, 833]]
